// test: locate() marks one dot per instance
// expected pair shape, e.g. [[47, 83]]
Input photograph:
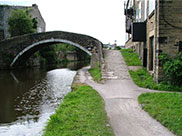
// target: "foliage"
[[131, 58], [172, 68], [81, 113], [35, 22], [96, 73], [81, 55], [64, 47], [117, 48], [143, 79], [49, 55], [20, 23], [166, 108]]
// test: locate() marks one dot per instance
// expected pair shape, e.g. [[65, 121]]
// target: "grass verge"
[[81, 113], [96, 73], [164, 107], [131, 58], [143, 79]]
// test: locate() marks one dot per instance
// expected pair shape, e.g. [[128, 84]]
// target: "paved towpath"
[[120, 95]]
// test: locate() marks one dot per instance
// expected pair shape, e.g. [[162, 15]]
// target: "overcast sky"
[[102, 19]]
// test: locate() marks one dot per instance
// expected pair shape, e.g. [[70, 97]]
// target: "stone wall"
[[169, 27], [35, 13], [150, 34], [164, 28], [129, 44], [18, 49], [139, 49], [5, 13]]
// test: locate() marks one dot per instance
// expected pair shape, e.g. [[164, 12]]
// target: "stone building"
[[5, 13], [153, 27]]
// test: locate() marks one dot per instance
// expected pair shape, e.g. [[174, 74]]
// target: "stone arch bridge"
[[16, 50]]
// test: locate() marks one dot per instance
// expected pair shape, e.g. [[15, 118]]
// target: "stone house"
[[153, 27], [5, 13]]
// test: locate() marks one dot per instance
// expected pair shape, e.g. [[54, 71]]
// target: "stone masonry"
[[163, 33], [5, 13], [169, 29], [16, 50]]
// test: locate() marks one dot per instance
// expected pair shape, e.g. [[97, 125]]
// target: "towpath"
[[120, 95]]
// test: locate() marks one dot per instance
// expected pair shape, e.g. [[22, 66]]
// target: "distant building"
[[5, 13], [110, 46], [153, 27]]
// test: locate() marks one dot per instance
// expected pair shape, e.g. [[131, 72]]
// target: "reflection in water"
[[29, 97]]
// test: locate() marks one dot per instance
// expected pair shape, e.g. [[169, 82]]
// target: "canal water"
[[29, 96]]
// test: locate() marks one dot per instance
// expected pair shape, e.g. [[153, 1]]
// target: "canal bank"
[[28, 98], [82, 112]]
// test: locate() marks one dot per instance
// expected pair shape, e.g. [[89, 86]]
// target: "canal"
[[29, 96]]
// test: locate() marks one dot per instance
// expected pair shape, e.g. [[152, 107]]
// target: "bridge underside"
[[23, 56], [15, 51]]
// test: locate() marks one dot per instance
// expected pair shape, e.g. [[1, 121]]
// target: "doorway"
[[151, 53]]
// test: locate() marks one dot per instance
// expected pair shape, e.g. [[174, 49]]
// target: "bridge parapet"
[[15, 51]]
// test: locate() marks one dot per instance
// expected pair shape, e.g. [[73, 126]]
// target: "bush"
[[172, 68], [21, 23], [117, 48], [49, 55], [142, 78]]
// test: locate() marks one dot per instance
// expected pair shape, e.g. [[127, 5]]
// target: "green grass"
[[131, 58], [81, 113], [96, 73], [143, 79], [164, 107]]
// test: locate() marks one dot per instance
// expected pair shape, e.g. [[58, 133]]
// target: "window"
[[138, 11], [151, 6], [145, 10]]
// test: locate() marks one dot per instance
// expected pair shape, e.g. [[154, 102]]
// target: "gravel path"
[[120, 95]]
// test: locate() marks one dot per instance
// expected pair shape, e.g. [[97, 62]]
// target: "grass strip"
[[81, 113], [164, 107], [131, 58], [96, 73], [143, 79]]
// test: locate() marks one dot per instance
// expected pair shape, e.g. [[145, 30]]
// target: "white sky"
[[102, 19]]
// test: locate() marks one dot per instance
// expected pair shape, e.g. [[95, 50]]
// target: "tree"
[[20, 23], [49, 54]]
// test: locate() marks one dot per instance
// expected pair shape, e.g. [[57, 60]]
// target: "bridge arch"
[[14, 51], [21, 54]]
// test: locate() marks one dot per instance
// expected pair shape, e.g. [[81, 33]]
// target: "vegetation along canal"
[[28, 97]]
